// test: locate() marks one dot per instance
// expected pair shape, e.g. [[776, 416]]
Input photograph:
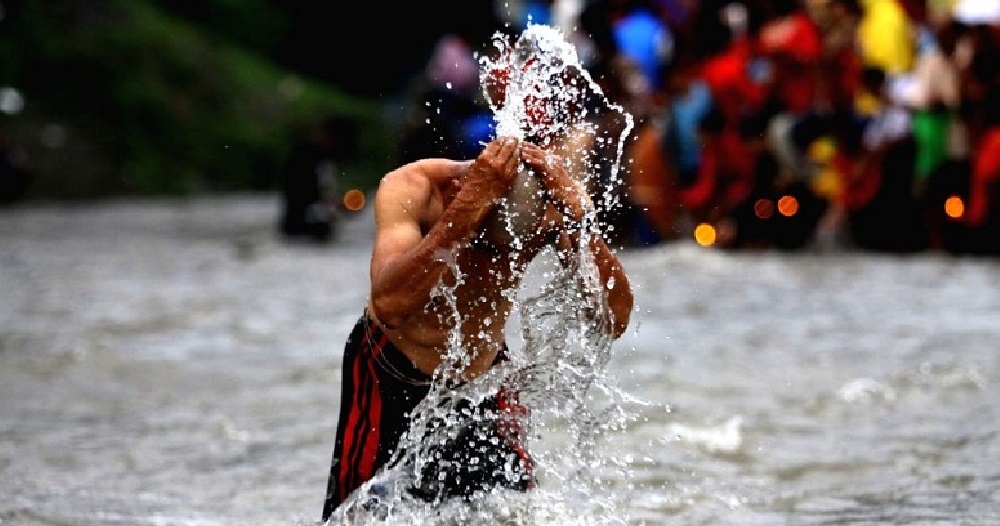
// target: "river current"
[[175, 363]]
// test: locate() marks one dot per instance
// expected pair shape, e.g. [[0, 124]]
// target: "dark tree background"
[[366, 48], [379, 46], [173, 97]]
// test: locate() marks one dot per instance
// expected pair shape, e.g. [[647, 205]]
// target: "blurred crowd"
[[773, 123]]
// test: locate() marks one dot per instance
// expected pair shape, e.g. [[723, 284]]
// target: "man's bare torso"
[[476, 296]]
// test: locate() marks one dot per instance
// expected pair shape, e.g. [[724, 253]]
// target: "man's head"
[[534, 85]]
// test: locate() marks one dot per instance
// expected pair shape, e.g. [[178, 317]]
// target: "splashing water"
[[538, 91]]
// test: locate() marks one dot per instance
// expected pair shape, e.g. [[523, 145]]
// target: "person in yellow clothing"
[[885, 37]]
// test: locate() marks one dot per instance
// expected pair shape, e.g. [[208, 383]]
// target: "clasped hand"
[[567, 194], [492, 174]]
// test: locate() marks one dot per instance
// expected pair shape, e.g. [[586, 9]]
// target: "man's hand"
[[569, 195], [491, 175]]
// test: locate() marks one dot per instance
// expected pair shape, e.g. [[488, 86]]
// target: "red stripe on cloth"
[[510, 426], [369, 452], [361, 435]]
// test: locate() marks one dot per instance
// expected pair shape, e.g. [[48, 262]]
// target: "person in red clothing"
[[792, 43], [740, 83], [984, 187], [728, 75]]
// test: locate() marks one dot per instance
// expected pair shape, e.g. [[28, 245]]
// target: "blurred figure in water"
[[445, 117], [15, 176], [309, 182]]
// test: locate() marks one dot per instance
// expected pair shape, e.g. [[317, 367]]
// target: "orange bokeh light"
[[763, 208], [704, 234], [354, 200], [954, 207], [788, 205]]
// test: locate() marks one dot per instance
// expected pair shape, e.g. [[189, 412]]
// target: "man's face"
[[533, 95]]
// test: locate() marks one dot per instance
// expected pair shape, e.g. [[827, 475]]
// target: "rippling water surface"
[[173, 363]]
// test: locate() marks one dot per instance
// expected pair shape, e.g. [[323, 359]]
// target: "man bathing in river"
[[423, 211], [432, 234]]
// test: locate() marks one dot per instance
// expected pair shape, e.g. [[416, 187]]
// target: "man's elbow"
[[619, 324], [621, 315], [386, 311]]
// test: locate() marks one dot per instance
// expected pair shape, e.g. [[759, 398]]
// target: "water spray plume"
[[535, 85]]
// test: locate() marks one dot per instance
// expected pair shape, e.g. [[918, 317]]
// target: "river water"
[[174, 363]]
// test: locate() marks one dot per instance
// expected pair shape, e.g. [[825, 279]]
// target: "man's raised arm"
[[451, 198], [571, 199]]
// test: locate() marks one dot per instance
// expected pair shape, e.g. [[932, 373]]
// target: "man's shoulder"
[[411, 185], [406, 179], [417, 171]]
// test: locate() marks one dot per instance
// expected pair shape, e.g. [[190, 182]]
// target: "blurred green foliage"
[[144, 98]]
